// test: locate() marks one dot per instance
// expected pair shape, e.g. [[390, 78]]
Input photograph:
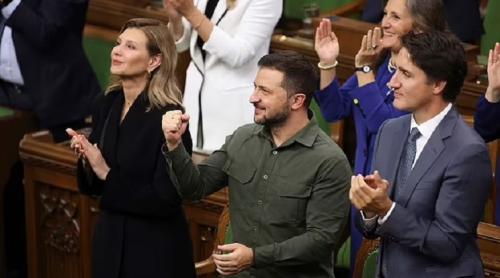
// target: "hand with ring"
[[370, 48]]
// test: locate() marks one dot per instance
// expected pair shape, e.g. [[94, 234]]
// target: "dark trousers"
[[13, 196]]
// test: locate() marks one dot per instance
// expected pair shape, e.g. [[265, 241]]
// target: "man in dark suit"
[[487, 117], [43, 67], [433, 173]]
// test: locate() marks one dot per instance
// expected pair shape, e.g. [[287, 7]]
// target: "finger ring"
[[374, 46]]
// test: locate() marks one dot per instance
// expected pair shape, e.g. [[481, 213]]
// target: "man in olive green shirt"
[[288, 181]]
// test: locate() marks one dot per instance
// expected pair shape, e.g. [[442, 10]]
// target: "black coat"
[[141, 230], [58, 78]]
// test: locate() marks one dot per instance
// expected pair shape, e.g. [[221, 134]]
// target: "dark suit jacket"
[[58, 78], [141, 230], [432, 230]]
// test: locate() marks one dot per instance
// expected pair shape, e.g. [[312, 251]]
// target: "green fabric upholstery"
[[323, 124], [370, 266], [5, 112], [344, 255], [491, 27], [99, 52]]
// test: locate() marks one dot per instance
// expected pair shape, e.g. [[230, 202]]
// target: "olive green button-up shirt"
[[288, 203]]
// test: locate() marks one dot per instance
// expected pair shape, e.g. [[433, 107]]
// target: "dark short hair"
[[299, 74], [441, 56]]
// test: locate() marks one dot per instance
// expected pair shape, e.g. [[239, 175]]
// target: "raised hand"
[[326, 43], [370, 48], [172, 13], [493, 90], [174, 124], [184, 7], [233, 258]]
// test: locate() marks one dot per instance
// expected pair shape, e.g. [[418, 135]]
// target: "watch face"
[[366, 69]]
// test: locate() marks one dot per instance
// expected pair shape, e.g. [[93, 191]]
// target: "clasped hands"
[[88, 152], [369, 194]]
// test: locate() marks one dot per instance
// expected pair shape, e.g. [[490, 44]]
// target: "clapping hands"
[[89, 152]]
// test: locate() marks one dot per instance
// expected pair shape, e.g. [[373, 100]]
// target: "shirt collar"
[[427, 128], [305, 136]]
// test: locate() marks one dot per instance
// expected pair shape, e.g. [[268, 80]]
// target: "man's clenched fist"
[[174, 124]]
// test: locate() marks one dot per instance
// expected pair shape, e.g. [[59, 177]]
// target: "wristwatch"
[[365, 68]]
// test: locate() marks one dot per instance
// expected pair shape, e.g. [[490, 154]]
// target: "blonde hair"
[[162, 86], [231, 4]]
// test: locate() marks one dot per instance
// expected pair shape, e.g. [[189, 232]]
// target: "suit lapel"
[[396, 143], [430, 153]]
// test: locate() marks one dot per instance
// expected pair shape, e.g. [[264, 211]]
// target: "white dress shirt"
[[9, 66], [426, 129]]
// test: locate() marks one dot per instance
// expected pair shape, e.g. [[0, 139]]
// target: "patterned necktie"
[[407, 159], [2, 25]]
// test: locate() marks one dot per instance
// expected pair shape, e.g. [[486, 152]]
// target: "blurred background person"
[[141, 230], [44, 70], [225, 38], [365, 96], [463, 17], [43, 67]]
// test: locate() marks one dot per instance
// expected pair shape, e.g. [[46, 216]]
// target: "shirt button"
[[265, 177], [275, 152], [259, 202]]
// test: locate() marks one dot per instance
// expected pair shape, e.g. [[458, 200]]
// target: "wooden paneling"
[[60, 221], [12, 128]]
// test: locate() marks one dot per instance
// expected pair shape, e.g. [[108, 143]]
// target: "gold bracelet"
[[327, 67]]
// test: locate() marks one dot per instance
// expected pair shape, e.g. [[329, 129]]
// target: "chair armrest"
[[205, 267]]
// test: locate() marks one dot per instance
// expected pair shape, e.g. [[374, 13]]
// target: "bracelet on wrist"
[[327, 66]]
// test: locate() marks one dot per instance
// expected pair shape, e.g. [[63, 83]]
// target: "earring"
[[149, 74]]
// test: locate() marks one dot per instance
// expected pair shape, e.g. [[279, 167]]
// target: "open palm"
[[494, 72], [326, 43]]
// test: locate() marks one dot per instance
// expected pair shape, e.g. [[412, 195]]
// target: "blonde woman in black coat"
[[141, 230]]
